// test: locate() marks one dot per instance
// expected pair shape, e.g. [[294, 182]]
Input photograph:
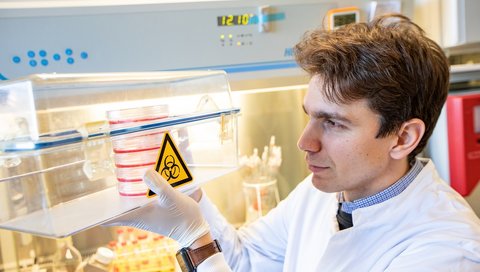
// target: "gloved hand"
[[173, 214]]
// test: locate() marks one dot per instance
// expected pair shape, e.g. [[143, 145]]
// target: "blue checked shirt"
[[394, 190]]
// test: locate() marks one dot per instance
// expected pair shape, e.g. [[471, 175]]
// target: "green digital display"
[[344, 19], [234, 20]]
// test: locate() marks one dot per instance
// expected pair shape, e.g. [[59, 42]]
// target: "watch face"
[[184, 261]]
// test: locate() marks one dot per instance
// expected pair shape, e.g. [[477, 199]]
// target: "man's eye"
[[331, 123]]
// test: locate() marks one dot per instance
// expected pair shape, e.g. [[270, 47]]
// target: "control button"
[[16, 59], [56, 57], [31, 54], [33, 63], [44, 62], [42, 53], [70, 60], [84, 55], [68, 51]]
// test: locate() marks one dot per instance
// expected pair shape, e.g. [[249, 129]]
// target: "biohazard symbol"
[[171, 165], [170, 169]]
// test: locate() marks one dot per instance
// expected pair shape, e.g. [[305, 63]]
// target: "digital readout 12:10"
[[232, 20]]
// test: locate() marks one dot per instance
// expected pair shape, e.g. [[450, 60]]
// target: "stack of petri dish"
[[134, 153]]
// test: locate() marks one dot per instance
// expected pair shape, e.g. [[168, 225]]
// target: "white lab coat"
[[428, 227]]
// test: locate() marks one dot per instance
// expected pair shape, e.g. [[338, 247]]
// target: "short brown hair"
[[389, 61]]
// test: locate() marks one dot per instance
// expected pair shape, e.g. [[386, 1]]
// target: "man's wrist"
[[189, 258], [204, 240]]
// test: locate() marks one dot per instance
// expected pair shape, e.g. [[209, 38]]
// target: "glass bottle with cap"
[[67, 257]]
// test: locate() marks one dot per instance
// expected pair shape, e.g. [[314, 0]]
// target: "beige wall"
[[427, 15]]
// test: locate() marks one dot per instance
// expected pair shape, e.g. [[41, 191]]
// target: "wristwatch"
[[189, 259]]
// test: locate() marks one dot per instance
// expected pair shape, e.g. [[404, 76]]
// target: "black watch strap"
[[198, 255]]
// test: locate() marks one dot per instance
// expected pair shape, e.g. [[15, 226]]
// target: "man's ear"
[[408, 137]]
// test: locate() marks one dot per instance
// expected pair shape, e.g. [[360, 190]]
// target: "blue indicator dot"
[[42, 53], [33, 63], [70, 60], [56, 57], [16, 59], [31, 54], [44, 62], [84, 55], [68, 51]]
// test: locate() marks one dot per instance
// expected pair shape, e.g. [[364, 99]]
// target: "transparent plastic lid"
[[73, 136], [51, 109]]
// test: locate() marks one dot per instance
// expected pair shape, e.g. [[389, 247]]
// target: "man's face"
[[340, 145]]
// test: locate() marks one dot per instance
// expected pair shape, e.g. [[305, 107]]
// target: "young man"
[[375, 94]]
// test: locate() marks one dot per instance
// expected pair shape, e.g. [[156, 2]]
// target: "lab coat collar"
[[398, 205]]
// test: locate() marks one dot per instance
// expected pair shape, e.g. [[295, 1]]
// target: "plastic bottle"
[[99, 262]]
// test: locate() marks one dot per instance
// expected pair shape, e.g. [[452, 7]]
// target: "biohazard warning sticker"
[[171, 165]]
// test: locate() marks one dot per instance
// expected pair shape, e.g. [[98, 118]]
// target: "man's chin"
[[323, 186]]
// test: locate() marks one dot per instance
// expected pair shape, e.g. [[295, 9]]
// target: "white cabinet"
[[460, 22]]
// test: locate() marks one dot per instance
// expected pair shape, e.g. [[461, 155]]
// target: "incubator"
[[66, 162]]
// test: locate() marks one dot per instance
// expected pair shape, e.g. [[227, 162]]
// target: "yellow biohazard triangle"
[[171, 165]]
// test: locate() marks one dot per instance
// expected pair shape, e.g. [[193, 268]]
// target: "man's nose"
[[309, 141]]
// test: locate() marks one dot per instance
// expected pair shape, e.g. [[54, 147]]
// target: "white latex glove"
[[173, 214]]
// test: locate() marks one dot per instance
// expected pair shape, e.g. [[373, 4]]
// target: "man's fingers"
[[158, 184]]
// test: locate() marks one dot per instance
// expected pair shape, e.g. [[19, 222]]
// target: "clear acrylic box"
[[57, 160]]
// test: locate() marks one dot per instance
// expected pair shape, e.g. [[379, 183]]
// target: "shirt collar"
[[392, 191]]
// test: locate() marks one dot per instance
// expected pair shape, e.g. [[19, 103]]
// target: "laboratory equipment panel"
[[123, 36]]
